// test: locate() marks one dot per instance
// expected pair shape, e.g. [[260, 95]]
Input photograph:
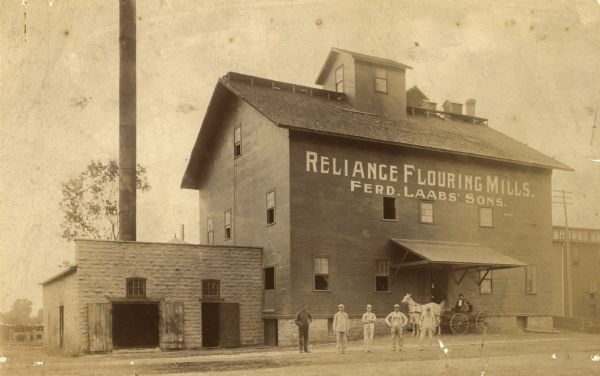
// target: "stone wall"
[[173, 272]]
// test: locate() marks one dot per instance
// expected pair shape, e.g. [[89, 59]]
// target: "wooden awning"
[[453, 255]]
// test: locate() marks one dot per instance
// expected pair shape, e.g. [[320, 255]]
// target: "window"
[[389, 208], [210, 231], [486, 217], [228, 224], [426, 211], [136, 287], [382, 275], [574, 255], [593, 287], [210, 289], [321, 273], [381, 80], [530, 279], [269, 278], [559, 234], [339, 79], [485, 277], [237, 141], [270, 207]]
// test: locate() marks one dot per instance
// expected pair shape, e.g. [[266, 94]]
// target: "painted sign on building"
[[413, 181]]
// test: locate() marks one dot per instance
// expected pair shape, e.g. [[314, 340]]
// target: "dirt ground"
[[514, 354]]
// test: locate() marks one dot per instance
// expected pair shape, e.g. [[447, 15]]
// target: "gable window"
[[426, 211], [270, 207], [237, 141], [339, 79], [228, 224], [381, 80], [136, 287], [486, 217], [321, 273], [211, 288], [210, 231], [530, 279], [485, 278], [382, 275], [389, 208]]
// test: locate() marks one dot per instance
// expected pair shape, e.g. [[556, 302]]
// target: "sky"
[[532, 66]]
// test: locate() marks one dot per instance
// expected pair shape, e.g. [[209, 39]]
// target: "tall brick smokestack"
[[127, 121]]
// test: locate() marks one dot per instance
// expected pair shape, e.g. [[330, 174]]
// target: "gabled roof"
[[320, 111], [357, 56], [414, 96]]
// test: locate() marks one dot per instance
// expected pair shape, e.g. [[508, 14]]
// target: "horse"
[[415, 309]]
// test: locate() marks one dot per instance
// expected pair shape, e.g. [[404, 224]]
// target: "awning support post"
[[461, 277], [394, 276], [485, 275]]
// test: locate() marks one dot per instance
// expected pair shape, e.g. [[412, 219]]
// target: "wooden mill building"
[[358, 192], [362, 191]]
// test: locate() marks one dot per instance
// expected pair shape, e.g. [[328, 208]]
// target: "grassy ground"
[[514, 354]]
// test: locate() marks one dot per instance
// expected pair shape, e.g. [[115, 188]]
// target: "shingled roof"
[[316, 110]]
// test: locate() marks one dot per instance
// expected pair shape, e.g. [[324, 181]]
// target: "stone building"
[[356, 197], [172, 296]]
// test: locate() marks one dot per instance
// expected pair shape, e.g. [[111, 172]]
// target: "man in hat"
[[427, 324], [341, 325], [303, 320], [396, 321], [369, 320]]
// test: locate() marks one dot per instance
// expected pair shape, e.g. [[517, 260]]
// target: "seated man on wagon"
[[462, 305]]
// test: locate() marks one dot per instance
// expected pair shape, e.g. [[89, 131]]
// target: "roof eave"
[[559, 166], [72, 269]]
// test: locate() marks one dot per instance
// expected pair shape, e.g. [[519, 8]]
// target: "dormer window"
[[339, 79], [381, 80]]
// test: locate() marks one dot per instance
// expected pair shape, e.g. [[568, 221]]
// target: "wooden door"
[[229, 324], [171, 325], [99, 327], [270, 332]]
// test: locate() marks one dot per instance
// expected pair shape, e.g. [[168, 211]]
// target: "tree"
[[90, 201], [20, 313]]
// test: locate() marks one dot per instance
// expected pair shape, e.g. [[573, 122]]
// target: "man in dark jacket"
[[303, 320]]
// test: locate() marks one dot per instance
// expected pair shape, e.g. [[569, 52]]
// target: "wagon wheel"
[[459, 323], [483, 322]]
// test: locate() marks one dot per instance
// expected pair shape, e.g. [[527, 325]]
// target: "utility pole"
[[127, 121], [563, 199]]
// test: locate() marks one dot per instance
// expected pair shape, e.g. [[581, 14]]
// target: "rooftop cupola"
[[371, 84]]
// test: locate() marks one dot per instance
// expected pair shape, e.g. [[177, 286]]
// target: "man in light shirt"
[[341, 325], [396, 321], [369, 320]]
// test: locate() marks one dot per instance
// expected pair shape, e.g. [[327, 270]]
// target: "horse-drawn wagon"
[[459, 322]]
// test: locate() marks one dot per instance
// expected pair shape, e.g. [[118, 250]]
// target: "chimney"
[[182, 232], [470, 107], [127, 121]]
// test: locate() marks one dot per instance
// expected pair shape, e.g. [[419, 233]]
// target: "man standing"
[[427, 324], [341, 325], [303, 320], [396, 321], [369, 320]]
